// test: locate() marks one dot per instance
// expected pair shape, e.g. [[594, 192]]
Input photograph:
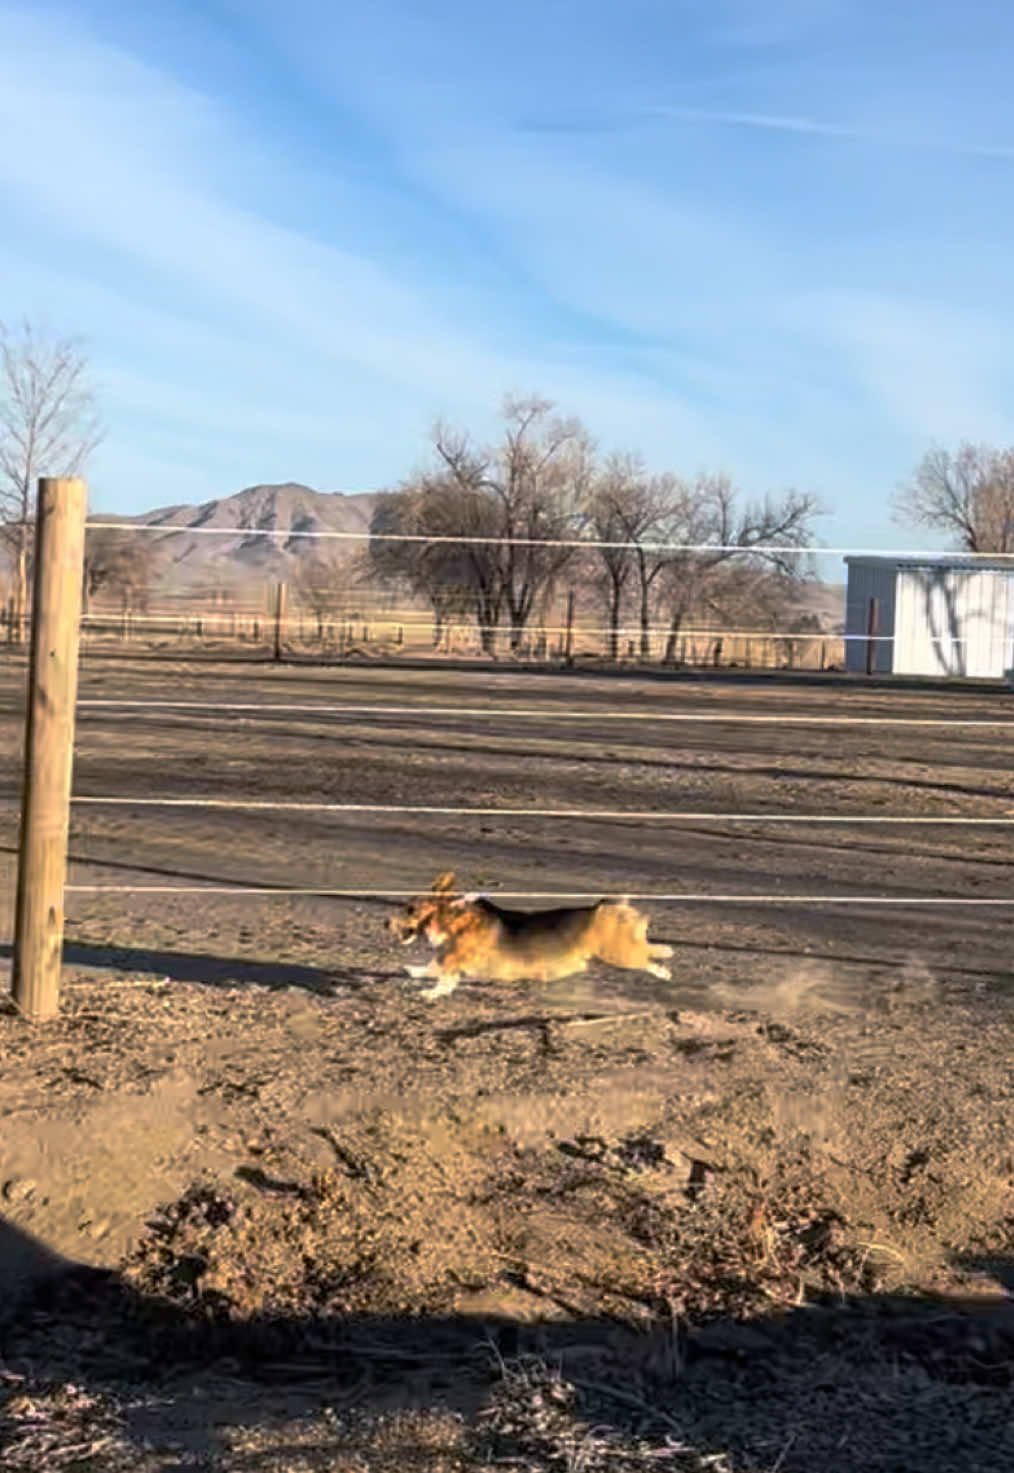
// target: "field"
[[759, 1218]]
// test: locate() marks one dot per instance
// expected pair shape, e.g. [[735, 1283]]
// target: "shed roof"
[[992, 563]]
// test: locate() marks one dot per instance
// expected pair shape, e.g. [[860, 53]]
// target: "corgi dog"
[[475, 938]]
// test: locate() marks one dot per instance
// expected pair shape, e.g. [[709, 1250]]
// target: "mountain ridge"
[[264, 532]]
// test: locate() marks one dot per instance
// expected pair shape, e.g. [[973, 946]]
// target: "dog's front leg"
[[443, 986], [446, 981], [430, 969]]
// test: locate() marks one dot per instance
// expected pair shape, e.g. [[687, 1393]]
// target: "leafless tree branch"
[[968, 494], [48, 427]]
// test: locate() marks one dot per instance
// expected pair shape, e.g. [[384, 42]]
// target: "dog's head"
[[423, 915]]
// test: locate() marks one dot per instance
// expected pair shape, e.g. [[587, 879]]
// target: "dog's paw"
[[419, 971], [441, 988]]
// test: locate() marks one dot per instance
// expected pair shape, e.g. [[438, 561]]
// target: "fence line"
[[365, 535], [610, 814], [344, 630], [61, 574], [693, 897], [226, 614], [548, 713]]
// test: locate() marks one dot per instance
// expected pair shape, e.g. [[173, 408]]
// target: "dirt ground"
[[757, 1219]]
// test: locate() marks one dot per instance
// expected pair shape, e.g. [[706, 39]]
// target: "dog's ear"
[[443, 882]]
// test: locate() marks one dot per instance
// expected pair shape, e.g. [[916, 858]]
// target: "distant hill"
[[243, 553]]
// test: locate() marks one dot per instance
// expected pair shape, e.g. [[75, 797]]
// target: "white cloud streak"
[[817, 128]]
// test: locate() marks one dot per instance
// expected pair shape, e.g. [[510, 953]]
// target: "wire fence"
[[332, 623], [671, 546], [504, 712], [341, 628], [348, 633]]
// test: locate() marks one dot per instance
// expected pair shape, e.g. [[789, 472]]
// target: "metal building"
[[940, 616]]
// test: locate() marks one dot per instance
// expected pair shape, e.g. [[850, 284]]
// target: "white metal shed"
[[940, 616]]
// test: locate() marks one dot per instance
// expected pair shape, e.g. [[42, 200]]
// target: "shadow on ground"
[[865, 1384], [214, 971]]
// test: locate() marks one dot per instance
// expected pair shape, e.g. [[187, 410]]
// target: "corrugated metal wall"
[[866, 581], [954, 621]]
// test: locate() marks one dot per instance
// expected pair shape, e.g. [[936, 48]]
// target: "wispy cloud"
[[286, 329], [817, 128], [292, 278]]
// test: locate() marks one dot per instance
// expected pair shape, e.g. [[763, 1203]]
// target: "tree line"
[[537, 506]]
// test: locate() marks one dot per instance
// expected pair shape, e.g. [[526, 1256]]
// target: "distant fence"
[[190, 622], [387, 634]]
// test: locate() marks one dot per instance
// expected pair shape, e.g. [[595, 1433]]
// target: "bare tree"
[[318, 581], [612, 564], [758, 537], [538, 481], [748, 592], [645, 513], [48, 427], [513, 504], [121, 563], [969, 495], [455, 578]]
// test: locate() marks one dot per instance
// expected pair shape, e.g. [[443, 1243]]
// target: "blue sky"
[[769, 238]]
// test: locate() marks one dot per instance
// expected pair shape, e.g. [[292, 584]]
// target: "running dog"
[[475, 938]]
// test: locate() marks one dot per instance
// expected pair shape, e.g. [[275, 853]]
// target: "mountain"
[[241, 555], [241, 552]]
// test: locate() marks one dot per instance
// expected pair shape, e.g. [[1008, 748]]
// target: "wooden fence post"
[[279, 618], [871, 635], [49, 746], [568, 648]]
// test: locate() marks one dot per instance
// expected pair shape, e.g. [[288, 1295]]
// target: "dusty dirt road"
[[554, 1228]]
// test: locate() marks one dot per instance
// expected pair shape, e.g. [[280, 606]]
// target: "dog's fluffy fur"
[[475, 938]]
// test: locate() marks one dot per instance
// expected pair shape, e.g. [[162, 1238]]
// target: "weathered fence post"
[[49, 746], [279, 618], [871, 635], [568, 648]]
